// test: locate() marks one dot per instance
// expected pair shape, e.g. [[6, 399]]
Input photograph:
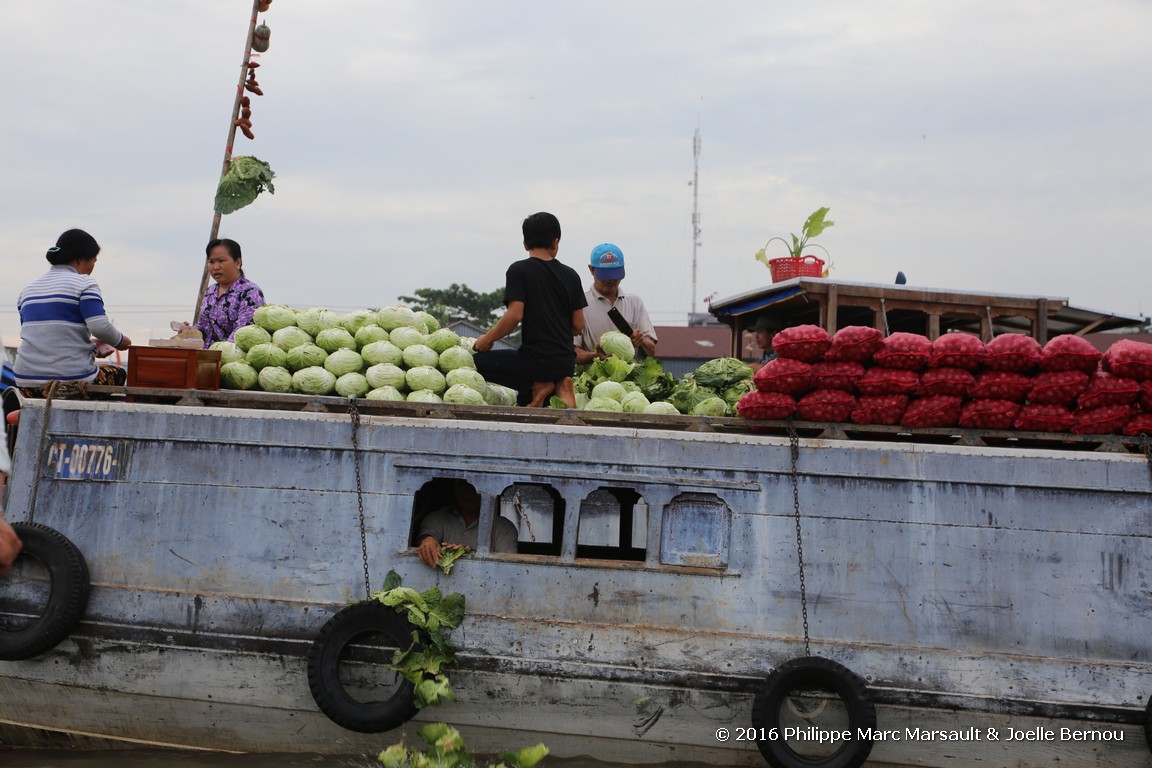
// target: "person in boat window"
[[607, 268], [457, 524], [764, 329], [547, 297], [63, 324], [231, 302]]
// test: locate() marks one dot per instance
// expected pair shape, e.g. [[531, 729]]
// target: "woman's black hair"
[[73, 245], [231, 246]]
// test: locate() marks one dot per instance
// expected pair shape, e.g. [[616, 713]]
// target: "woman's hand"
[[429, 551], [9, 546]]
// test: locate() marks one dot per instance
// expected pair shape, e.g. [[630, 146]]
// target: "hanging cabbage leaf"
[[245, 179]]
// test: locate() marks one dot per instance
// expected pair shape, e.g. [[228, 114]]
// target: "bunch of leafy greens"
[[446, 750], [721, 373], [245, 179], [449, 554], [424, 662]]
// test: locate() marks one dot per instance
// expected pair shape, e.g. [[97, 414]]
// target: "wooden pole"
[[228, 148]]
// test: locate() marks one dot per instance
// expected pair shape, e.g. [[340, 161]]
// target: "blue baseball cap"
[[608, 262]]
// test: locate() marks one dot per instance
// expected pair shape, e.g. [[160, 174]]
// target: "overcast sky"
[[975, 144]]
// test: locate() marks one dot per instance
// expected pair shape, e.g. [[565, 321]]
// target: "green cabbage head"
[[332, 339], [275, 379], [442, 339], [385, 393], [662, 407], [464, 395], [238, 375], [249, 336], [603, 404], [430, 321], [382, 352], [634, 402], [357, 319], [710, 406], [498, 394], [423, 396], [456, 357], [313, 381], [419, 354], [263, 355], [405, 336], [305, 356], [290, 336], [352, 385], [273, 317], [370, 333], [618, 345], [386, 375], [425, 377], [612, 389], [229, 352], [396, 316], [467, 376], [344, 361]]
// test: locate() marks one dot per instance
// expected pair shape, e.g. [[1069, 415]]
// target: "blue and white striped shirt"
[[60, 312]]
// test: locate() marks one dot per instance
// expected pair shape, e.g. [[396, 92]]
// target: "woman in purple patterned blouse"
[[232, 301]]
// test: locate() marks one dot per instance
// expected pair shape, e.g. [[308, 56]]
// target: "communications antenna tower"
[[695, 212]]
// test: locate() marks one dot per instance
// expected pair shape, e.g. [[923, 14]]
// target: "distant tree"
[[459, 302]]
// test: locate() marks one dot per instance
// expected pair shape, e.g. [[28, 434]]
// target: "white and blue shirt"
[[60, 312]]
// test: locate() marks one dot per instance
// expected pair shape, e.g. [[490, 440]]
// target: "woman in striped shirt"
[[63, 323]]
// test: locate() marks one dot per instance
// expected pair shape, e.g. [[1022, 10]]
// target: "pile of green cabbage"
[[617, 383], [393, 353]]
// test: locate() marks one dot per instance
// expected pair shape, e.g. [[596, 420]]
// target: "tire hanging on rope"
[[369, 618], [808, 672], [68, 597]]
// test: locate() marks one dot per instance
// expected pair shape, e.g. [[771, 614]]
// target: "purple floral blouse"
[[221, 315]]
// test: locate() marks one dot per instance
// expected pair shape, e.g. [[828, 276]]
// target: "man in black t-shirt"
[[546, 296]]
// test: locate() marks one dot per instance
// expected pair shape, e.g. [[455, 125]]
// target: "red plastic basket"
[[789, 267]]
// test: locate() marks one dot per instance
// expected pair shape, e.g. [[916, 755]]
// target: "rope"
[[988, 314], [884, 316], [65, 389], [794, 443], [354, 412]]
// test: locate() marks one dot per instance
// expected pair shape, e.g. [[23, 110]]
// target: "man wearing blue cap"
[[607, 268]]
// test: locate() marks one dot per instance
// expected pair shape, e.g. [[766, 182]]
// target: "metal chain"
[[794, 443], [354, 412]]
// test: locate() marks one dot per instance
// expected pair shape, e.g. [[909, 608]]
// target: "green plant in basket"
[[815, 224]]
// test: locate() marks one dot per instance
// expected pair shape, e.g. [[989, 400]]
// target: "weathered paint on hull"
[[968, 586]]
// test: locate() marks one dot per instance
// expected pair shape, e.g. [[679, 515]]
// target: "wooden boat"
[[985, 595]]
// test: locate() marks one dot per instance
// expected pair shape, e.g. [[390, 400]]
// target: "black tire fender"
[[370, 617], [69, 585], [825, 673]]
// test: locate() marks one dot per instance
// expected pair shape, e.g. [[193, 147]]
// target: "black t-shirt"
[[551, 292]]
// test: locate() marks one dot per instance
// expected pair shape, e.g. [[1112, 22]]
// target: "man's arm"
[[504, 326], [643, 341], [578, 322]]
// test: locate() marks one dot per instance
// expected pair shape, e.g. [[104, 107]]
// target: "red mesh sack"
[[802, 342], [1130, 359], [783, 375], [1069, 353], [1045, 418], [888, 381], [1057, 387], [1106, 389], [946, 381], [1140, 424], [935, 411], [1146, 395], [1000, 385], [765, 405], [906, 351], [854, 344], [957, 350], [1105, 420], [1012, 352], [989, 414], [826, 405], [879, 409], [836, 375]]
